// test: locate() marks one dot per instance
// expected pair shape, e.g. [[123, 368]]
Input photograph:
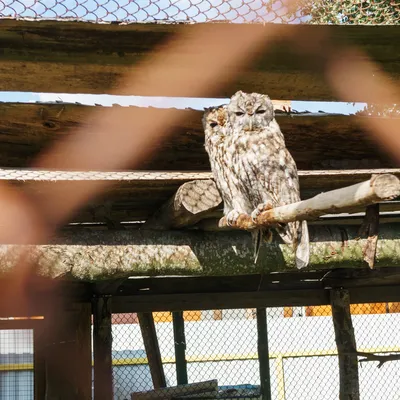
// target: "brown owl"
[[253, 169]]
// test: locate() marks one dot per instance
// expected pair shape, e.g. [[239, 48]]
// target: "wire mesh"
[[301, 11], [221, 350], [16, 364]]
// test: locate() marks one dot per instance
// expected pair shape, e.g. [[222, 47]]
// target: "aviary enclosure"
[[119, 279]]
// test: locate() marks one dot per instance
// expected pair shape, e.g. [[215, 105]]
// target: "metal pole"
[[263, 353], [180, 347]]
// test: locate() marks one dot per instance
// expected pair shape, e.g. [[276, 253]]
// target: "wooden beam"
[[135, 195], [276, 298], [54, 57], [193, 201], [293, 280], [68, 352], [91, 256], [378, 188], [102, 348], [366, 285], [149, 334], [211, 301], [27, 129], [346, 345]]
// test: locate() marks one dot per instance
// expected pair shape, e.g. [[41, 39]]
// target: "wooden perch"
[[382, 358], [98, 255], [194, 200], [378, 188]]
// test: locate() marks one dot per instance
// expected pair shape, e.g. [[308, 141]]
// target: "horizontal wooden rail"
[[136, 195]]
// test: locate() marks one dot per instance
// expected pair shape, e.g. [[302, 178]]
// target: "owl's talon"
[[232, 217], [260, 209]]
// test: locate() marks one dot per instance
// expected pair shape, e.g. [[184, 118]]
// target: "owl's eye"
[[213, 124], [239, 113], [261, 111]]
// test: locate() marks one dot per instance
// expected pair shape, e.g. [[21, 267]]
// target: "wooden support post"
[[39, 362], [346, 345], [68, 353], [180, 347], [146, 322], [263, 353], [102, 348]]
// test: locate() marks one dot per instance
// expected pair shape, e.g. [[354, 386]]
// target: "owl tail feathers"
[[258, 236], [303, 246], [297, 233]]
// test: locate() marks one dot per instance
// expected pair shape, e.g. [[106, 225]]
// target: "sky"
[[162, 102]]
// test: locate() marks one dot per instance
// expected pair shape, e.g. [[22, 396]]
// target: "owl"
[[252, 168], [216, 129]]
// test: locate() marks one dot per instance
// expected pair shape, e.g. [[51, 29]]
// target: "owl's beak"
[[249, 122]]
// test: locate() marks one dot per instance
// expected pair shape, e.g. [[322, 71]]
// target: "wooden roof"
[[79, 57]]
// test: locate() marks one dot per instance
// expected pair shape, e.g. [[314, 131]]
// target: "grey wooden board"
[[79, 57]]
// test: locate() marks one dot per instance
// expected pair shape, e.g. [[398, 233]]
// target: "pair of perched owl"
[[252, 168]]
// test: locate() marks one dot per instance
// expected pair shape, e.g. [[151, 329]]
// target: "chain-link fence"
[[300, 11], [16, 364], [220, 351]]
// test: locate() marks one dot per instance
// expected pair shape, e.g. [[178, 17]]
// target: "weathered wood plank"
[[195, 389], [83, 57], [91, 256], [316, 142]]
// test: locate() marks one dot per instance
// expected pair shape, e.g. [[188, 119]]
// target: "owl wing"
[[282, 184], [294, 232]]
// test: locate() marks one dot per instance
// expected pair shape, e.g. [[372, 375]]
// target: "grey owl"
[[217, 129], [252, 168]]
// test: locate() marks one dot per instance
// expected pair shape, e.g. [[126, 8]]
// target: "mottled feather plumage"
[[252, 166]]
